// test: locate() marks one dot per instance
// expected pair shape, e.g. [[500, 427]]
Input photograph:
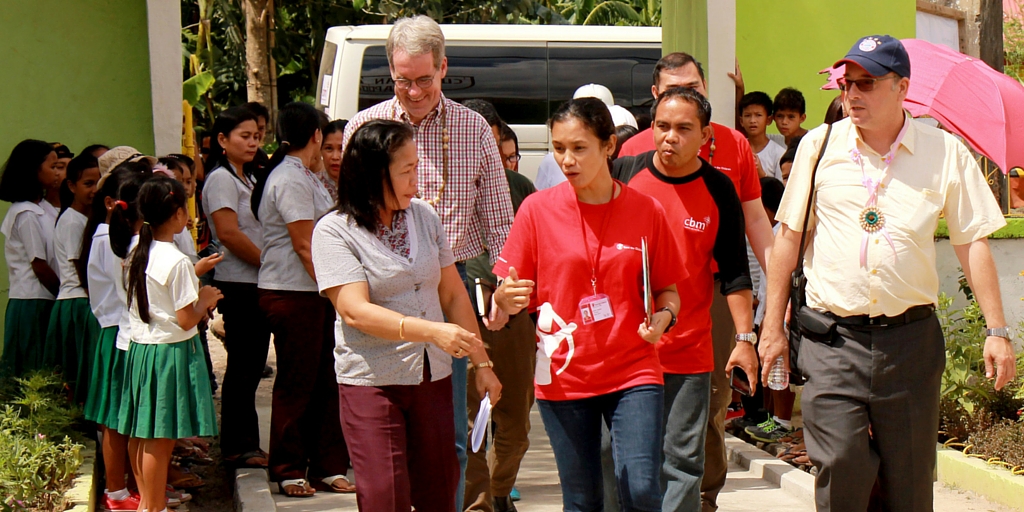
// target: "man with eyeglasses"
[[460, 170], [874, 368]]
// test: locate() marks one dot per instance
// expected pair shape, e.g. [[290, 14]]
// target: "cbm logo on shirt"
[[697, 225]]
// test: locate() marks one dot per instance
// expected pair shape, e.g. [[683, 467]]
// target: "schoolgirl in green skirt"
[[166, 392], [27, 246], [73, 330], [109, 232]]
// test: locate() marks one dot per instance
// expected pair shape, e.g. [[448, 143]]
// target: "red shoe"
[[131, 504]]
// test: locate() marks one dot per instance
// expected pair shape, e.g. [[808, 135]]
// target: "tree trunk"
[[992, 33], [260, 69]]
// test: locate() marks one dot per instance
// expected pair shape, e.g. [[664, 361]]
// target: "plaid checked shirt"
[[476, 203]]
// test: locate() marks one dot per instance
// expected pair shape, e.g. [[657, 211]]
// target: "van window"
[[624, 70], [514, 79]]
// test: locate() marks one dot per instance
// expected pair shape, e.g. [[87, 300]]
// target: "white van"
[[526, 71]]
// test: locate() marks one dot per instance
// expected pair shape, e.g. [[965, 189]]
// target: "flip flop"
[[298, 488], [337, 483]]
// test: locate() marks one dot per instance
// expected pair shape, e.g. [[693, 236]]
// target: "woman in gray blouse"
[[305, 433], [383, 260]]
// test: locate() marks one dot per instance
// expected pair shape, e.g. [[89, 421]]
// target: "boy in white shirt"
[[755, 117]]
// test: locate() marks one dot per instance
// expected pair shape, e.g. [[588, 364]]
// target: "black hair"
[[76, 167], [62, 150], [126, 215], [790, 99], [485, 109], [336, 126], [623, 132], [790, 155], [835, 111], [98, 215], [507, 133], [226, 122], [676, 60], [689, 95], [258, 110], [20, 178], [592, 112], [159, 199], [771, 192], [365, 176], [297, 123], [92, 148], [173, 163], [757, 98], [185, 159]]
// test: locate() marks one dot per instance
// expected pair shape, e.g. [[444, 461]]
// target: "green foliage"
[[38, 456], [1013, 46], [963, 380]]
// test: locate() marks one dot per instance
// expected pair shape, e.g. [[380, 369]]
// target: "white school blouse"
[[51, 212], [171, 284], [28, 235], [67, 242], [126, 327], [107, 305]]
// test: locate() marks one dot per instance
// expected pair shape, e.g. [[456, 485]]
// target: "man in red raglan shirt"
[[730, 153]]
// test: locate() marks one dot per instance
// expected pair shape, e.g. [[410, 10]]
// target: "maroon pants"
[[305, 433], [402, 442]]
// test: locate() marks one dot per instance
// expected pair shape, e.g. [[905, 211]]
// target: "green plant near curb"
[[39, 455], [963, 381]]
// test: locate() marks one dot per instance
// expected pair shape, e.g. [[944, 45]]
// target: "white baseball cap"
[[595, 91], [621, 116]]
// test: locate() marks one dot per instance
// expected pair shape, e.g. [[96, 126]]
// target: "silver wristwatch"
[[748, 337], [999, 332]]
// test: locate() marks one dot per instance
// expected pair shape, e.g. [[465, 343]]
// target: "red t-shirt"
[[708, 219], [733, 157], [547, 245]]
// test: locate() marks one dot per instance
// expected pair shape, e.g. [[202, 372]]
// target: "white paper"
[[483, 420]]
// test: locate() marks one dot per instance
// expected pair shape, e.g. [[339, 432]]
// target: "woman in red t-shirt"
[[581, 243]]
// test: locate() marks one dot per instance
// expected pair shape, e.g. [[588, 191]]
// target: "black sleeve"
[[730, 244], [624, 168]]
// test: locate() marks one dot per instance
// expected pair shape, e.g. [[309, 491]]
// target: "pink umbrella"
[[967, 96]]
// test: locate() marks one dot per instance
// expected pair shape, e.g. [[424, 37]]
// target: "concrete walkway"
[[745, 491]]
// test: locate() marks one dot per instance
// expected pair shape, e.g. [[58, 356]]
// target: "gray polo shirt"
[[345, 253], [292, 194], [225, 190]]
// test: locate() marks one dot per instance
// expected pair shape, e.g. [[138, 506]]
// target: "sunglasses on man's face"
[[863, 84]]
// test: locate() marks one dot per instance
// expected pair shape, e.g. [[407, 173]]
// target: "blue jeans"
[[687, 398], [459, 380], [634, 417]]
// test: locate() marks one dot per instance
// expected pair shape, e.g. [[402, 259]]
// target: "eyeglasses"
[[513, 158], [863, 84], [422, 82]]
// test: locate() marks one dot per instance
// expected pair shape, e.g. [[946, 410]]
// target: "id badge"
[[596, 308]]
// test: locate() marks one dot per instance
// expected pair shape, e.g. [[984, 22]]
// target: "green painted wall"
[[784, 43], [74, 71]]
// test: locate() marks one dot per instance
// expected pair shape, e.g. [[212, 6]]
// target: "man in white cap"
[[874, 364]]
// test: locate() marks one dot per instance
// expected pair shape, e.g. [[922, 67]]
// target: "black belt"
[[911, 315]]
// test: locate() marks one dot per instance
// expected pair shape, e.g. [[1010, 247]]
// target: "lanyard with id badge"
[[597, 307]]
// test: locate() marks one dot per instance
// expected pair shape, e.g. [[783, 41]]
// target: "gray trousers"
[[871, 410]]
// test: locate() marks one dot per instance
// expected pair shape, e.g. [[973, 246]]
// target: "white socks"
[[118, 495], [784, 423]]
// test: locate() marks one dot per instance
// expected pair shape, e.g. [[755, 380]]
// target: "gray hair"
[[416, 36]]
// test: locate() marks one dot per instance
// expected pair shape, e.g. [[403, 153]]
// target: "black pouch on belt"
[[817, 326]]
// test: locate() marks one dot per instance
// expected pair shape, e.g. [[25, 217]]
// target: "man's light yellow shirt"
[[932, 173]]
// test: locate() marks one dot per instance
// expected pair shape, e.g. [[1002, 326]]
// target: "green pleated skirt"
[[167, 392], [71, 343], [25, 323], [107, 380]]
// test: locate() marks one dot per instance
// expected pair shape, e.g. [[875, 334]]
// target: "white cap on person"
[[595, 91], [621, 116]]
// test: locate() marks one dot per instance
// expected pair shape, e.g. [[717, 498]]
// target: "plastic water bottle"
[[778, 379]]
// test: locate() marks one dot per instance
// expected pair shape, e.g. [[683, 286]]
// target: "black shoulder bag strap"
[[797, 295]]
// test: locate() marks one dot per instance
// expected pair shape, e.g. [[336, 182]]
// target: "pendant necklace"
[[872, 219], [443, 122]]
